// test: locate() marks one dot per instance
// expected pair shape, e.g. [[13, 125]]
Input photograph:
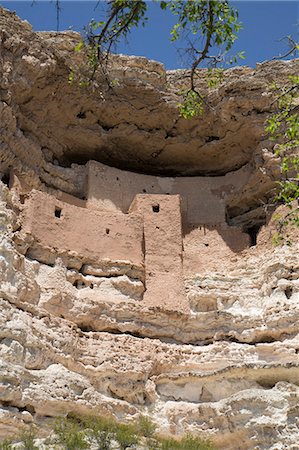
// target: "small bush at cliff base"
[[94, 432], [70, 434], [100, 430], [146, 427], [186, 443], [27, 438], [25, 441], [126, 435], [79, 432], [6, 445]]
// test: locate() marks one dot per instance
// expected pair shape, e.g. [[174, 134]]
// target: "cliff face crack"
[[17, 406]]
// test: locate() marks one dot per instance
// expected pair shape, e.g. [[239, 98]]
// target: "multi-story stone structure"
[[148, 222]]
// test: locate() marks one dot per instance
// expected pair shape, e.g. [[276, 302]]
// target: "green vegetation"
[[70, 434], [283, 129], [6, 445], [85, 432], [208, 23], [186, 443], [211, 28], [25, 439]]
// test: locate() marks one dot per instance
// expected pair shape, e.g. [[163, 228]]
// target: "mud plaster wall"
[[93, 235], [203, 198], [163, 250], [102, 230], [209, 248], [152, 233], [208, 241]]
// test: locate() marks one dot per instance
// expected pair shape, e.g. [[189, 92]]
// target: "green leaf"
[[79, 46]]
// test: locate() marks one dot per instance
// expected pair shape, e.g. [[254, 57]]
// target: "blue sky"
[[264, 23]]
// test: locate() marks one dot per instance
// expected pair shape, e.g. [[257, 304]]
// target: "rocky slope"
[[69, 341]]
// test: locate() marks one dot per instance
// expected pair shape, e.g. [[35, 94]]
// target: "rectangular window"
[[58, 212]]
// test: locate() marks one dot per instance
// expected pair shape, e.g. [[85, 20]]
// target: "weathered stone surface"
[[137, 124], [215, 349], [48, 125], [58, 353]]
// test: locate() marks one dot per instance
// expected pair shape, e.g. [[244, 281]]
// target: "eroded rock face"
[[88, 323], [49, 125]]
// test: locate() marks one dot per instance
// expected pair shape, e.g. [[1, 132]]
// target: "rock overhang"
[[135, 125]]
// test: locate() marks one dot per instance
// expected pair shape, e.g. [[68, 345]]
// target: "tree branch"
[[289, 52], [205, 51]]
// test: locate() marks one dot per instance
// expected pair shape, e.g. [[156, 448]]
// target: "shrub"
[[6, 445], [188, 442], [146, 427], [100, 430], [70, 434], [86, 432], [126, 435], [27, 440]]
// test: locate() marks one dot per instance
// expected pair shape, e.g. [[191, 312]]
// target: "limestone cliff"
[[138, 273]]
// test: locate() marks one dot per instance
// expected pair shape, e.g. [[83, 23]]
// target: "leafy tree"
[[283, 129], [210, 27]]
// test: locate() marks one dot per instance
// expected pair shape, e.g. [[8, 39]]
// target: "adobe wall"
[[163, 251], [203, 198], [212, 248], [146, 232], [91, 234]]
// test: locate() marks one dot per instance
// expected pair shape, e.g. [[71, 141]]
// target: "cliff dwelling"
[[166, 227], [140, 270]]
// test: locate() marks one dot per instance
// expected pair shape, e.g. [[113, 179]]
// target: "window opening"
[[58, 212], [156, 208]]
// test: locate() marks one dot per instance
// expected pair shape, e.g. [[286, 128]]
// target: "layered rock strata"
[[159, 292]]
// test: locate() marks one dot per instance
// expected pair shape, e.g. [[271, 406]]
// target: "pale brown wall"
[[203, 198], [102, 231], [212, 248], [83, 231], [163, 251]]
